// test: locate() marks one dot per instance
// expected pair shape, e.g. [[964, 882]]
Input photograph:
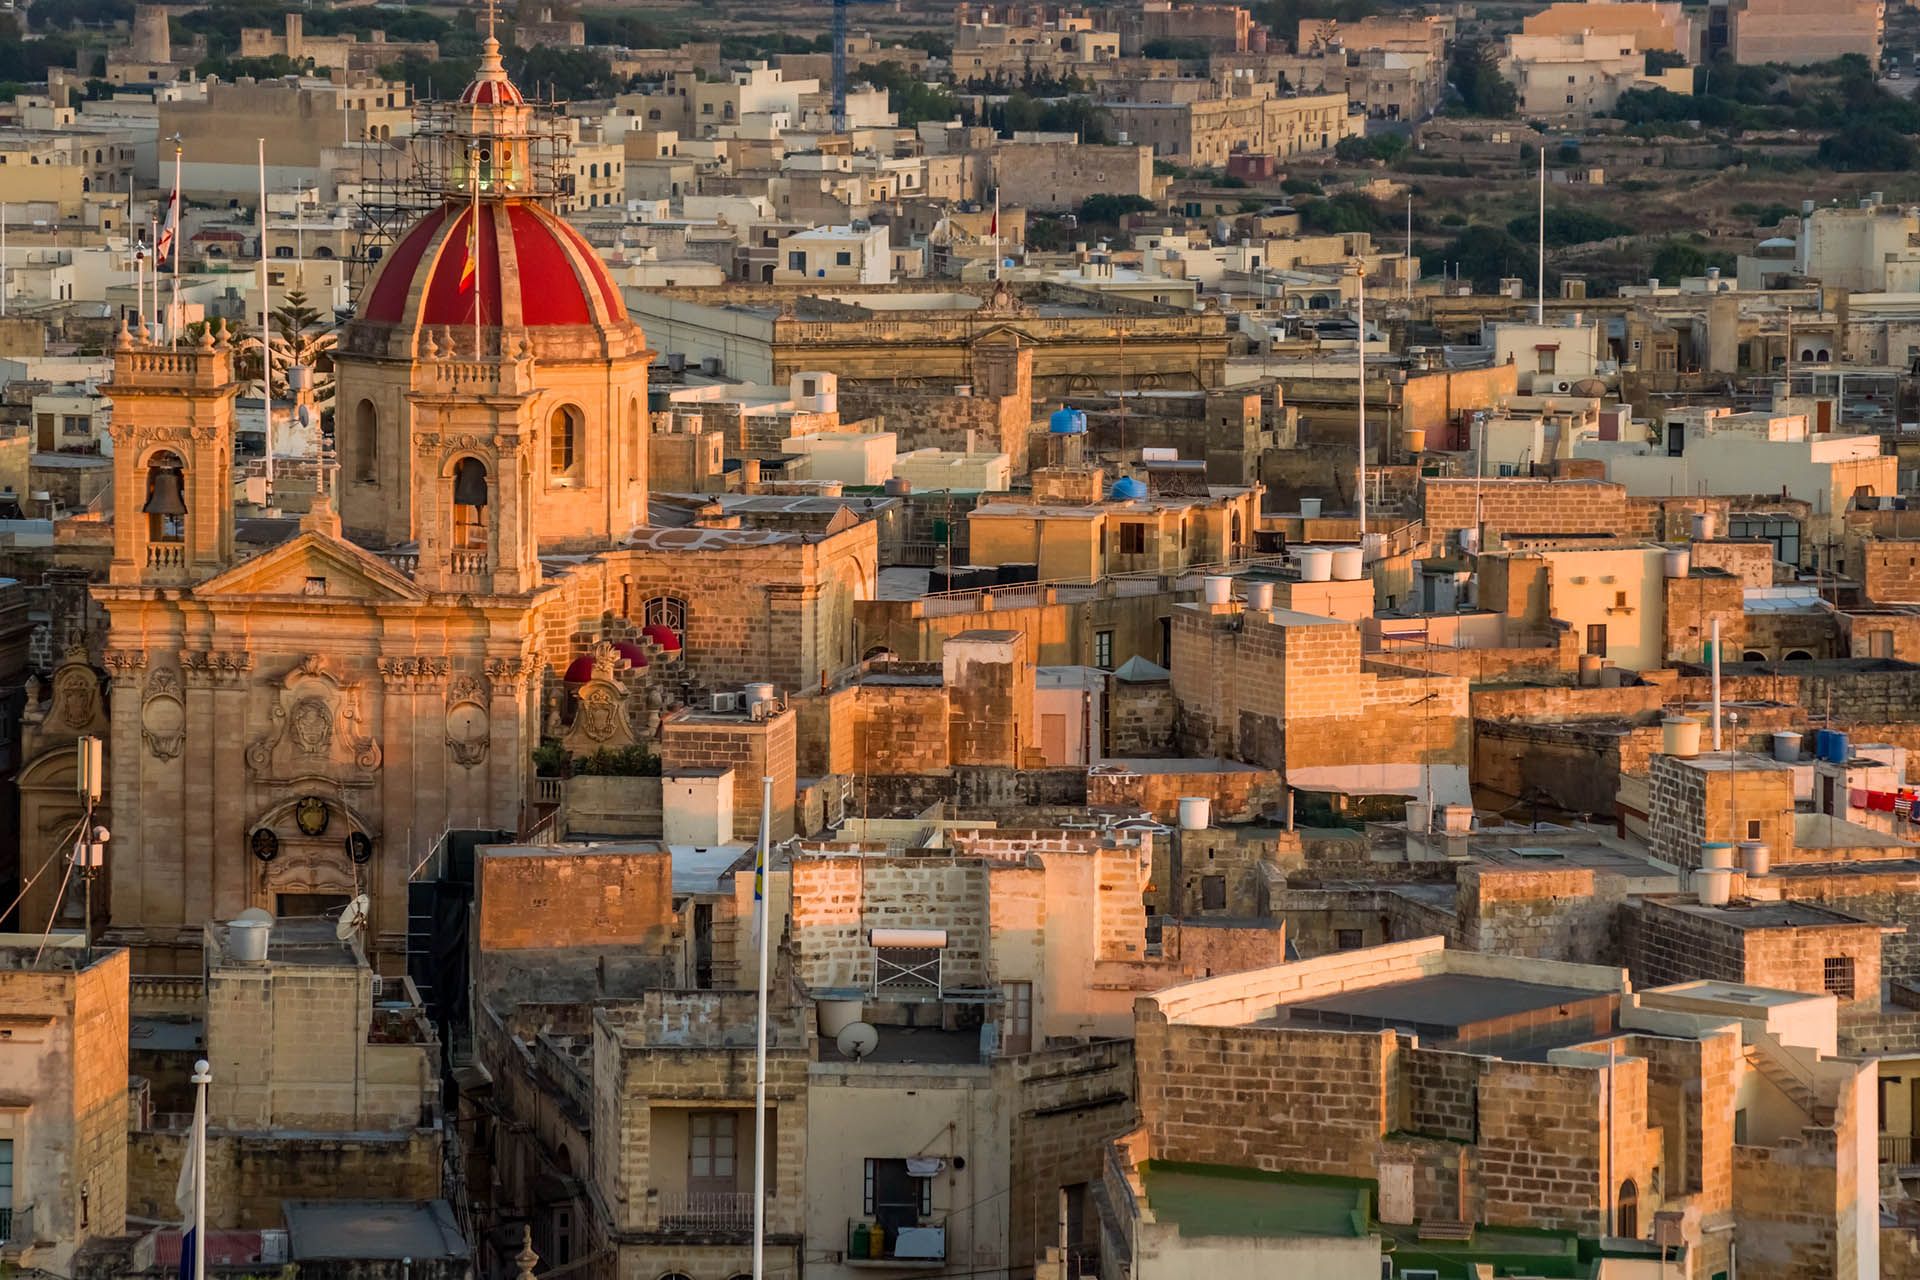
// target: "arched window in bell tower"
[[366, 443], [563, 440], [470, 496], [166, 504]]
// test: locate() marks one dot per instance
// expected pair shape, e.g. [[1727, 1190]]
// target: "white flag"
[[189, 1172]]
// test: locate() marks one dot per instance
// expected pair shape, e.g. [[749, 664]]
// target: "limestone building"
[[298, 727]]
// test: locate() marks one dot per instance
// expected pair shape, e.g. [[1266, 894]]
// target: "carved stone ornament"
[[318, 729], [466, 688], [468, 735], [414, 673], [163, 716]]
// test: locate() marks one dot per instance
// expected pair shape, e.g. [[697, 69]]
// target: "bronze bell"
[[470, 483], [164, 497]]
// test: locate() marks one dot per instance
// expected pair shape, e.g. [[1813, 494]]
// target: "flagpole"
[[179, 227], [473, 254], [3, 264], [760, 1050], [996, 231], [202, 1077], [153, 236], [266, 327]]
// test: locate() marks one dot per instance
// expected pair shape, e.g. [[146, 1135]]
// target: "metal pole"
[[1411, 269], [266, 328], [1360, 490], [179, 229], [1716, 684], [760, 1051], [3, 261], [202, 1077], [1540, 266]]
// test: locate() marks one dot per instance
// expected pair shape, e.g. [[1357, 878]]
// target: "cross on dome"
[[490, 86]]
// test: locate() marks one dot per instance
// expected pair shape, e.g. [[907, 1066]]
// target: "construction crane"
[[840, 66]]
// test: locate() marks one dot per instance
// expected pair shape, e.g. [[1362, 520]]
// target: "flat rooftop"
[[1469, 1011], [365, 1230], [1218, 1200], [1763, 915], [929, 1046]]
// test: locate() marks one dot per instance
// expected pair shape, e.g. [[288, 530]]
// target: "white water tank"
[[1316, 563], [1702, 526], [759, 698], [1310, 508], [1717, 854], [1677, 563], [1455, 819], [1259, 595], [1590, 664], [1417, 815], [1680, 736], [837, 1015], [247, 940], [1196, 813], [1219, 589], [1714, 885], [1786, 745], [1349, 564], [1756, 859]]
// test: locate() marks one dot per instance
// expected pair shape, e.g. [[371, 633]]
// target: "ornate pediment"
[[319, 728], [315, 566], [68, 705]]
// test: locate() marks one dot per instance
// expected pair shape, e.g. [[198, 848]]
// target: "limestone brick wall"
[[1890, 570], [1559, 703], [1237, 794], [824, 732], [568, 898], [753, 749], [1662, 946], [899, 728], [1067, 1103], [1795, 959], [1576, 767], [1885, 897], [989, 690], [1750, 562], [941, 420], [1693, 604], [1549, 915], [1789, 1196], [1140, 718], [839, 901], [1299, 1100], [1540, 1155], [1524, 505], [1442, 1092], [250, 1175], [1691, 1086], [99, 1154]]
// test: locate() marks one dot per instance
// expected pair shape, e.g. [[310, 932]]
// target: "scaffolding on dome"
[[403, 179]]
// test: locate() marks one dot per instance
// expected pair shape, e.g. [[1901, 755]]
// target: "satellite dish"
[[259, 915], [305, 415], [856, 1040], [352, 917]]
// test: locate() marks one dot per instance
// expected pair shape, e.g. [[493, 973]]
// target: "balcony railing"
[[1897, 1148], [166, 555], [706, 1210], [16, 1226], [871, 1244]]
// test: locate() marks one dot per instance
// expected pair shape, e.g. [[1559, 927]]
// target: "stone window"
[[1103, 649], [1597, 639], [891, 1188], [1753, 828], [1348, 940], [1837, 976], [1626, 1212], [563, 440], [665, 611], [366, 443], [1133, 539], [1213, 893]]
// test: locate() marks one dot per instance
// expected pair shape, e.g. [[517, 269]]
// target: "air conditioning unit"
[[724, 702]]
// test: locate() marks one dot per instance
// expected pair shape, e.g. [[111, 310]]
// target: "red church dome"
[[492, 93], [528, 268]]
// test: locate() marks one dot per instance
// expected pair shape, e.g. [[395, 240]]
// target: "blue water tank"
[[1841, 747], [1820, 748], [1067, 421], [1126, 489]]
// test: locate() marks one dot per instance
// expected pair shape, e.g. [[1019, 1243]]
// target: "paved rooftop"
[[361, 1230], [1765, 915]]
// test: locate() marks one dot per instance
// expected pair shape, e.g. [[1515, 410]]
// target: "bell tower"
[[172, 460]]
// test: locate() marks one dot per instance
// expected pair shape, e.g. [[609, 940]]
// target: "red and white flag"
[[169, 230]]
